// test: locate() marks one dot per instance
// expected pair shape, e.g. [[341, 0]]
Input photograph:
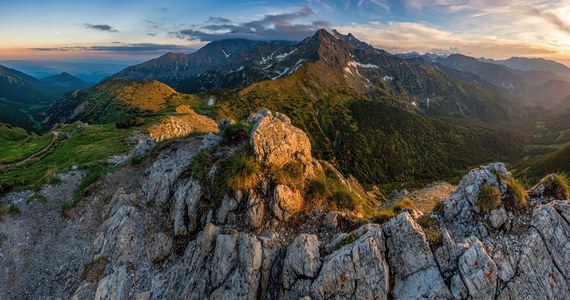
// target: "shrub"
[[489, 198], [516, 194], [132, 122], [290, 174], [200, 164], [242, 171], [349, 239], [316, 189], [235, 134], [438, 208], [556, 185], [93, 270], [400, 205], [387, 212], [11, 209], [343, 198], [431, 231]]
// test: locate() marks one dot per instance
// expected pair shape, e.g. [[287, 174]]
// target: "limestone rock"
[[185, 209], [120, 238], [114, 286], [355, 271], [301, 265], [275, 141], [163, 175], [216, 266], [158, 247], [286, 202], [415, 271], [464, 199], [255, 211], [497, 217], [478, 271], [144, 145]]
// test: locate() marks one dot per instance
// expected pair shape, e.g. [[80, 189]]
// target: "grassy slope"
[[88, 148], [17, 143], [534, 169]]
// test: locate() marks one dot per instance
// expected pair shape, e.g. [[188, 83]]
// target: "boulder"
[[356, 271], [301, 265], [286, 202], [416, 274], [275, 141]]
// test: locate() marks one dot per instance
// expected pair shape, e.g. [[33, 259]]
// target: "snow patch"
[[227, 55], [387, 78], [283, 55], [211, 102], [367, 66], [279, 74]]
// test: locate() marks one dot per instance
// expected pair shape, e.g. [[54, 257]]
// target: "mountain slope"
[[536, 64], [366, 71], [172, 68], [110, 101], [65, 82]]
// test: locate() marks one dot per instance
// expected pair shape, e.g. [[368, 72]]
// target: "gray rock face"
[[185, 209], [478, 271], [416, 273], [286, 202], [216, 266], [164, 173], [300, 267], [275, 141], [355, 271]]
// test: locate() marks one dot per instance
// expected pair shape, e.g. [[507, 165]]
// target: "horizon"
[[135, 31]]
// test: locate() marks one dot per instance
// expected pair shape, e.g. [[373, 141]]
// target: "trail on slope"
[[34, 155]]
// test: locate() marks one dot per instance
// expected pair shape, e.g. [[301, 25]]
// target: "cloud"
[[100, 27], [287, 26], [410, 36], [551, 18], [120, 47]]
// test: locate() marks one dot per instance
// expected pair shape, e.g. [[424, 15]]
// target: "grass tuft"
[[516, 194], [489, 198], [556, 185]]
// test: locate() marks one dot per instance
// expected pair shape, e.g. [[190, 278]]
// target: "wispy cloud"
[[100, 27], [120, 47], [551, 18], [287, 26], [410, 36]]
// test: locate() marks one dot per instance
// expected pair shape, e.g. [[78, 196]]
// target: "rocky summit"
[[166, 229]]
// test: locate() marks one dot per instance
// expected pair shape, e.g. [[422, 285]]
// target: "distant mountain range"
[[23, 98]]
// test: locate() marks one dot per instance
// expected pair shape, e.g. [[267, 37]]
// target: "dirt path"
[[35, 155]]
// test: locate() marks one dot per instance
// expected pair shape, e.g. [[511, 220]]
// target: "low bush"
[[235, 134], [343, 198], [290, 174], [516, 194], [132, 122], [241, 170], [316, 189], [489, 198], [431, 231], [387, 212], [556, 185]]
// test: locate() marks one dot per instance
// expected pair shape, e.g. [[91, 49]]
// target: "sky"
[[131, 31]]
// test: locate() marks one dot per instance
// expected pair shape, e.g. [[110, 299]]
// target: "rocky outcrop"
[[415, 271], [185, 122], [164, 234], [275, 141]]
